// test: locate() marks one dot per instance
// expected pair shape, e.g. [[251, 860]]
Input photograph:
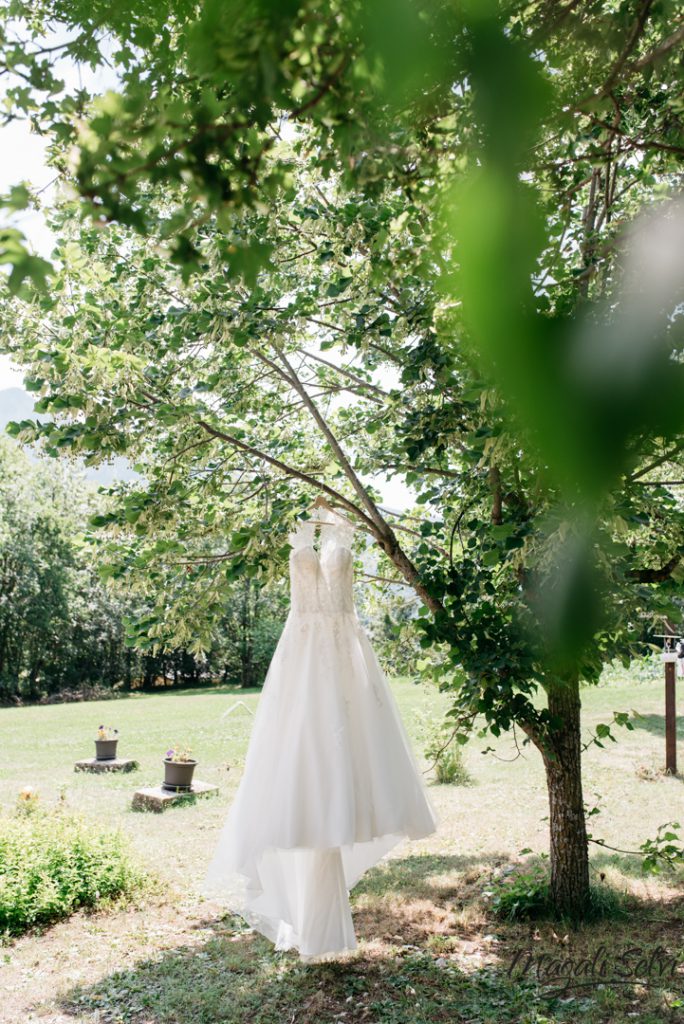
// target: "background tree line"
[[63, 631]]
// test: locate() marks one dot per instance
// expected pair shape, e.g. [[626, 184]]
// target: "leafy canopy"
[[295, 258]]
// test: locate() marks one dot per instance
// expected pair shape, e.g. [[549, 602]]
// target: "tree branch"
[[661, 483], [380, 528], [632, 68], [659, 51], [656, 575], [656, 462], [495, 485], [385, 579], [325, 87], [347, 373], [632, 40], [447, 473], [287, 470]]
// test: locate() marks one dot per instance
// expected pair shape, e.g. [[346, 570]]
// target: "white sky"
[[9, 376]]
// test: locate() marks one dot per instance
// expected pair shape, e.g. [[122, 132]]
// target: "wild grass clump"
[[53, 862], [446, 757]]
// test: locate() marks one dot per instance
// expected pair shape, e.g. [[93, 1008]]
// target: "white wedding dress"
[[330, 783]]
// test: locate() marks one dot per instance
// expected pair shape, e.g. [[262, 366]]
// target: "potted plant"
[[179, 764], [105, 743]]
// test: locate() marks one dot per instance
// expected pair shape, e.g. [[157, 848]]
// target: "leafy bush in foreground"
[[51, 863]]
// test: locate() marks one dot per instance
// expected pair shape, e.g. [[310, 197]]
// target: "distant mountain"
[[17, 404]]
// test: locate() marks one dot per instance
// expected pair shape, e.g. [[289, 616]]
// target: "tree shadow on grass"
[[630, 865], [218, 690], [235, 975], [238, 978], [398, 974], [655, 724], [426, 875]]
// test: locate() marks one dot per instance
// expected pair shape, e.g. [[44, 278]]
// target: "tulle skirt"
[[329, 786]]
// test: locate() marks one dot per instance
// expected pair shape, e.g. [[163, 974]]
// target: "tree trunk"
[[569, 845], [247, 637]]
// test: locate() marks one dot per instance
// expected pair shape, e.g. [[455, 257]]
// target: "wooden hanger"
[[320, 501]]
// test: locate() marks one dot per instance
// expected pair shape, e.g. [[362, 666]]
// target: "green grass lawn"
[[429, 946]]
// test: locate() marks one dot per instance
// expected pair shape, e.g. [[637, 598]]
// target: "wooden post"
[[670, 719]]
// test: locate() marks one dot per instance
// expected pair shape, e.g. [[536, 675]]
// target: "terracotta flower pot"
[[178, 775], [105, 750]]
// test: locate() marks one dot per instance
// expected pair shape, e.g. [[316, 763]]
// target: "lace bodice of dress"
[[337, 561], [322, 583], [306, 583]]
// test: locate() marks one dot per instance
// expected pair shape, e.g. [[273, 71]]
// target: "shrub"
[[446, 756], [521, 895], [525, 895], [53, 862]]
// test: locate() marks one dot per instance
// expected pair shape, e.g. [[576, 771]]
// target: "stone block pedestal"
[[155, 798], [116, 764]]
